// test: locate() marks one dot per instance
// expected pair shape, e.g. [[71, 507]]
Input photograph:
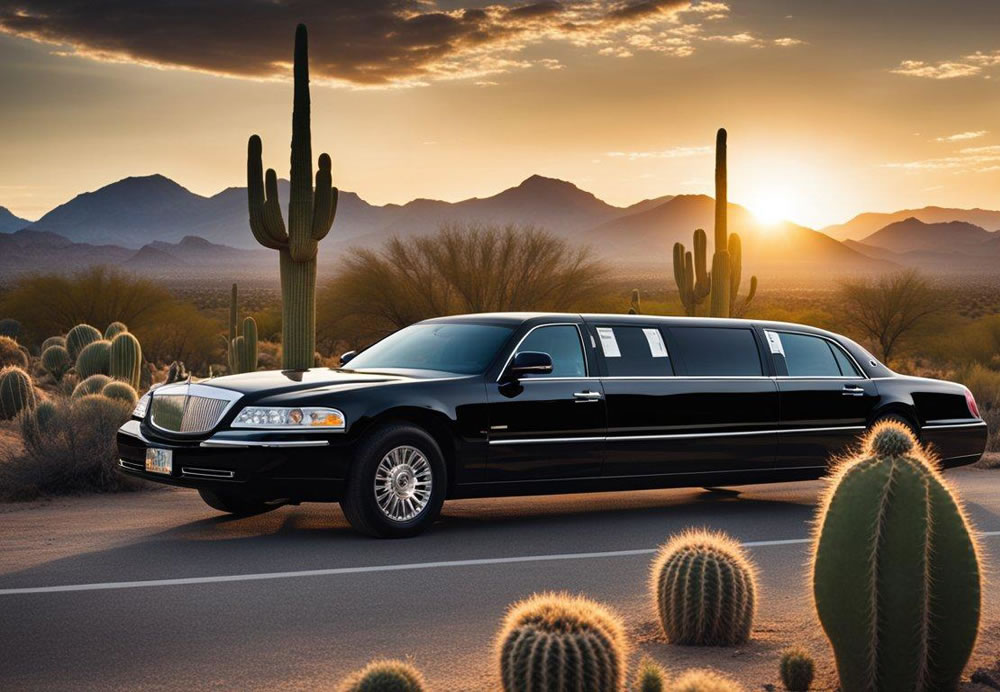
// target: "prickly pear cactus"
[[896, 575]]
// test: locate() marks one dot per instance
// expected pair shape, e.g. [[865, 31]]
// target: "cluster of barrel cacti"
[[241, 347], [721, 285], [896, 573], [310, 216]]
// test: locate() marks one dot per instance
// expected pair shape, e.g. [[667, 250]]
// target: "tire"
[[391, 467], [233, 504]]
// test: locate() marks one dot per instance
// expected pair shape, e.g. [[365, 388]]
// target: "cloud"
[[961, 136], [967, 66], [968, 159], [366, 43], [787, 41], [672, 153]]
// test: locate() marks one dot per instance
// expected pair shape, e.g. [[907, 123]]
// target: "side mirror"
[[346, 357], [529, 363]]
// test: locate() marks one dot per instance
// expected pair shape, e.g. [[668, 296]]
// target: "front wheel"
[[233, 504], [397, 483]]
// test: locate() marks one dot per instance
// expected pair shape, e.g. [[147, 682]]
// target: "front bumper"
[[261, 465]]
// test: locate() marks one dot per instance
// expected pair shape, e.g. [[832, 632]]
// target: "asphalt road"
[[155, 590]]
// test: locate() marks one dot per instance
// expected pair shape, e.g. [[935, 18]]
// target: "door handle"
[[585, 397], [852, 390]]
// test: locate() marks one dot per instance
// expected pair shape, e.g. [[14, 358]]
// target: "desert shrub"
[[121, 391], [11, 354], [183, 334], [10, 328], [94, 359], [68, 447], [459, 269], [17, 392], [797, 670], [54, 341], [558, 643], [710, 574], [984, 383], [385, 676], [91, 385], [704, 681], [56, 361], [650, 677], [894, 557]]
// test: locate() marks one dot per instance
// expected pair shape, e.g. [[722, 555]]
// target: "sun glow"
[[772, 206]]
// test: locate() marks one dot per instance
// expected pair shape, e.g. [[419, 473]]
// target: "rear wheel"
[[397, 483], [233, 504]]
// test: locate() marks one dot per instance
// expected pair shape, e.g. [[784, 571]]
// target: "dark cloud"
[[364, 42]]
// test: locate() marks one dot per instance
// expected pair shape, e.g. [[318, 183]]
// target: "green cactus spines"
[[310, 216], [651, 677], [56, 361], [558, 643], [10, 328], [94, 359], [17, 393], [797, 669], [122, 391], [125, 360], [54, 341], [705, 589], [385, 676], [79, 337], [91, 385], [114, 329], [635, 308], [896, 573]]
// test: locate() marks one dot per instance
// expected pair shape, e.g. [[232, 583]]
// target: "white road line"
[[103, 586]]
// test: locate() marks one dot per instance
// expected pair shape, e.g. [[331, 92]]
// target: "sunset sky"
[[833, 108]]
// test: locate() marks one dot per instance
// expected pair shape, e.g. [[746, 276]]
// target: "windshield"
[[463, 349]]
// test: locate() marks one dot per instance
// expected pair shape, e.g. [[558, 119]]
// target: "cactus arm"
[[233, 298], [324, 201], [735, 270], [268, 231], [703, 278]]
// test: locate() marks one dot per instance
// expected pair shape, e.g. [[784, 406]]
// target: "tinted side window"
[[717, 351], [562, 342], [808, 356], [635, 352], [847, 366]]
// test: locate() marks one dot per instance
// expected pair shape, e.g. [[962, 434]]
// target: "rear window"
[[813, 356], [717, 351], [635, 352]]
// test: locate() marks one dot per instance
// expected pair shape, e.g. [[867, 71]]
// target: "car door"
[[825, 399], [548, 426], [686, 400]]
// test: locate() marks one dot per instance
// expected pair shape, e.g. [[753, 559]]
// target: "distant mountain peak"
[[9, 222]]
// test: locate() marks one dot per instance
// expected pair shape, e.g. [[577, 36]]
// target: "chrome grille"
[[190, 408]]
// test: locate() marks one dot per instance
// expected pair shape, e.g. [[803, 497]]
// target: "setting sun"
[[772, 206]]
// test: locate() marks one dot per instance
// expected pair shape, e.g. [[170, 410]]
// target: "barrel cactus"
[[125, 359], [10, 328], [11, 354], [17, 393], [78, 337], [114, 329], [797, 670], [651, 677], [122, 391], [896, 573], [56, 361], [45, 415], [310, 216], [92, 385], [385, 676], [705, 589], [559, 642], [54, 341], [94, 359], [704, 681]]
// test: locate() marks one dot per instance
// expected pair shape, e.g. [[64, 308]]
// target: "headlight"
[[305, 418], [140, 407]]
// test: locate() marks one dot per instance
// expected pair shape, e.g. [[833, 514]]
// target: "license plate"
[[159, 460]]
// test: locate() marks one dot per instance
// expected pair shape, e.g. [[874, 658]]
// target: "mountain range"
[[153, 224]]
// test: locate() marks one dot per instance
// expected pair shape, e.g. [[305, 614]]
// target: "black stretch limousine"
[[510, 403]]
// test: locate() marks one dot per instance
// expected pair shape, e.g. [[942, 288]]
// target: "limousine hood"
[[284, 381]]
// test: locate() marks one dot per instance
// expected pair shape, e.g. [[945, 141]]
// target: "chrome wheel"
[[403, 483]]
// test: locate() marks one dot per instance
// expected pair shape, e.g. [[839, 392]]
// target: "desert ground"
[[154, 590]]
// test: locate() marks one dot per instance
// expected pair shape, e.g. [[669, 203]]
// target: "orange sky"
[[832, 108]]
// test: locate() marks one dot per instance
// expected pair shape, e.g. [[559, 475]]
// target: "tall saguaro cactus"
[[310, 216], [720, 258]]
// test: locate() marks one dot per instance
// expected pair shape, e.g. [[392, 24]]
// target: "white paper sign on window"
[[657, 348], [608, 342], [774, 341]]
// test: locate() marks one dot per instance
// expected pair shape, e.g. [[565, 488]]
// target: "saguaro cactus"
[[690, 274], [896, 576], [242, 348], [720, 258], [635, 306], [310, 216]]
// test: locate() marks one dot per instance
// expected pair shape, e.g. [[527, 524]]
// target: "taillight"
[[970, 401]]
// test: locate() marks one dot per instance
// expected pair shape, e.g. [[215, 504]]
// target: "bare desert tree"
[[889, 309], [461, 268]]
